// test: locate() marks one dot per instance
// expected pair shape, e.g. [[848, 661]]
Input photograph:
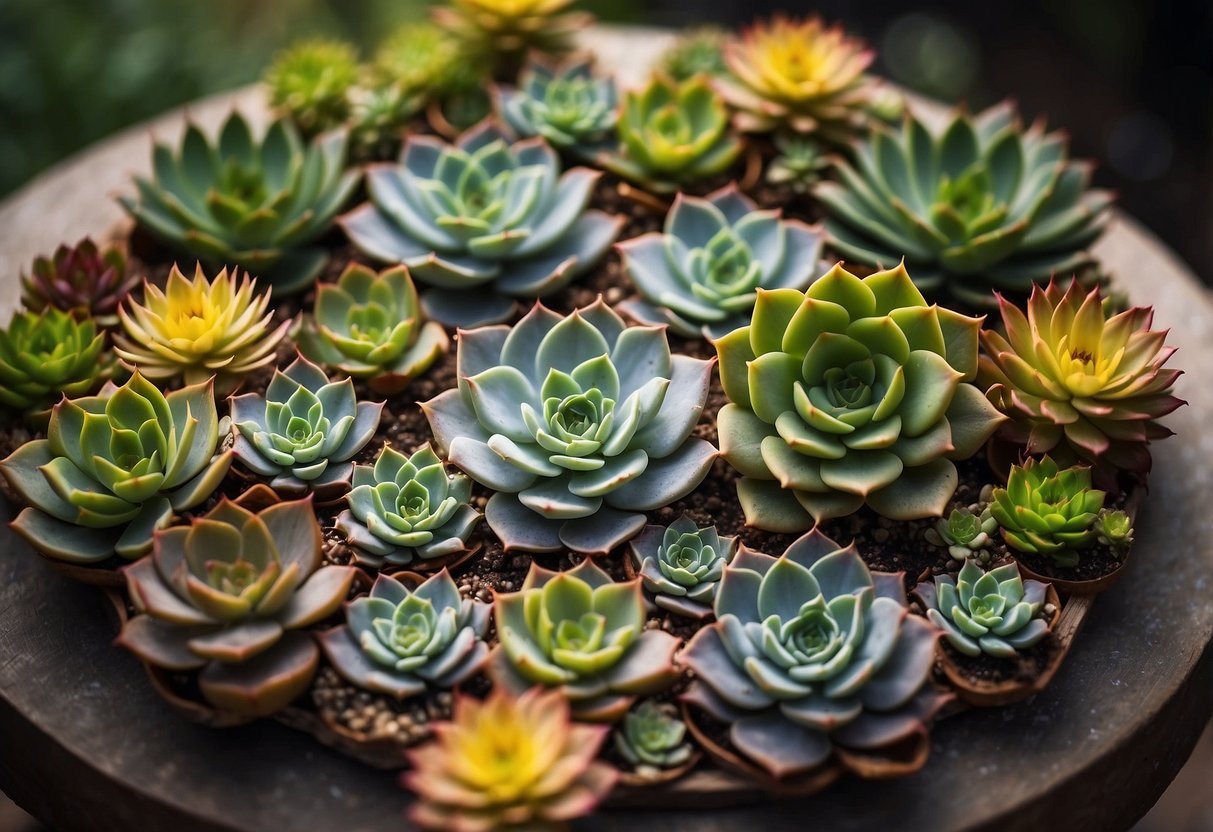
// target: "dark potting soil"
[[1026, 666]]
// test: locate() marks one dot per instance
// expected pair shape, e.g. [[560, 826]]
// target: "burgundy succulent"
[[80, 278]]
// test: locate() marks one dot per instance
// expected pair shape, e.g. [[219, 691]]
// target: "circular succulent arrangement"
[[764, 488]]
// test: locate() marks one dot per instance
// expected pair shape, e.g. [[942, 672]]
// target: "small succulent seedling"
[[965, 533], [996, 613], [652, 738], [799, 164], [681, 565], [1115, 530], [698, 51]]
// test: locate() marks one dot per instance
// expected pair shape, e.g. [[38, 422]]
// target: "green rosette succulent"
[[698, 51], [652, 738], [113, 469], [369, 325], [811, 652], [681, 565], [853, 392], [304, 431], [996, 612], [47, 355], [565, 104], [228, 597], [500, 33], [402, 642], [799, 163], [481, 222], [1047, 511], [242, 202], [1114, 529], [965, 533], [983, 206], [405, 510], [578, 423], [672, 134], [311, 82], [582, 633], [701, 276]]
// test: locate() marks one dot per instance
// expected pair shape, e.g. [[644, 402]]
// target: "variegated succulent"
[[681, 565], [81, 279], [996, 613], [1048, 511], [47, 355], [567, 105]]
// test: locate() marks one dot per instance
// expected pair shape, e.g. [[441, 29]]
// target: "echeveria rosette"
[[1048, 511], [996, 613], [481, 222], [578, 423], [854, 392], [652, 738], [984, 205], [812, 653], [403, 642], [227, 597], [115, 467], [966, 533], [47, 355], [407, 510], [566, 104], [681, 565], [303, 431], [239, 201], [582, 633], [369, 325], [81, 279], [702, 274]]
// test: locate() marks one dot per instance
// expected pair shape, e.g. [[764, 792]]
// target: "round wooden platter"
[[85, 743]]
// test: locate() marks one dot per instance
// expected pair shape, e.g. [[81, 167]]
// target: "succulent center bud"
[[583, 635], [231, 578], [963, 526], [851, 387], [970, 194], [814, 635]]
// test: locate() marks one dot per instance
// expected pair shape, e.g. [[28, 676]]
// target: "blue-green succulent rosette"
[[566, 104]]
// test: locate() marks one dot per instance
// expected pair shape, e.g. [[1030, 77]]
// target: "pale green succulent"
[[965, 533], [996, 612], [567, 105], [681, 565], [1048, 511], [47, 355], [652, 738], [698, 51]]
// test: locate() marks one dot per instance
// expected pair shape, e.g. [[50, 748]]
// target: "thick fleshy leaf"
[[266, 683]]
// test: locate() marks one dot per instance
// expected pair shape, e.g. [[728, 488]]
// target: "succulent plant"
[[811, 652], [698, 51], [243, 202], [983, 205], [581, 633], [567, 105], [81, 279], [481, 222], [403, 642], [701, 276], [1114, 528], [197, 329], [996, 612], [406, 509], [1078, 382], [47, 355], [369, 325], [304, 431], [853, 392], [227, 596], [681, 565], [577, 423], [502, 32], [672, 134], [652, 738], [1047, 511], [799, 76], [966, 533], [508, 763], [377, 121], [114, 467], [423, 59], [311, 82], [799, 163]]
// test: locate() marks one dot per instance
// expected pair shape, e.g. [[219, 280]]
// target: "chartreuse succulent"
[[1047, 511], [508, 763], [1078, 381], [114, 467], [565, 104], [403, 642], [577, 423], [369, 325], [258, 204], [500, 33], [228, 595], [983, 205], [996, 612], [1114, 528], [811, 652], [47, 355], [701, 275], [407, 510], [698, 51], [481, 222], [672, 134], [199, 328], [581, 633], [303, 431], [652, 738], [799, 163], [311, 82], [853, 392], [681, 565], [81, 279], [966, 533]]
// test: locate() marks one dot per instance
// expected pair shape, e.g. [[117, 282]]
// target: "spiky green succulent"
[[369, 325], [423, 60], [584, 634], [303, 432], [577, 423], [113, 469], [811, 652], [652, 738], [482, 222], [984, 205], [81, 279], [996, 612], [1048, 511], [47, 355], [240, 201], [311, 81], [698, 51], [1115, 530], [702, 275], [965, 533], [853, 392], [403, 642], [565, 104], [799, 163], [228, 597], [681, 565], [407, 509]]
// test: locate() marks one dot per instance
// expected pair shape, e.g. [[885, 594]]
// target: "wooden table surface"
[[85, 744]]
